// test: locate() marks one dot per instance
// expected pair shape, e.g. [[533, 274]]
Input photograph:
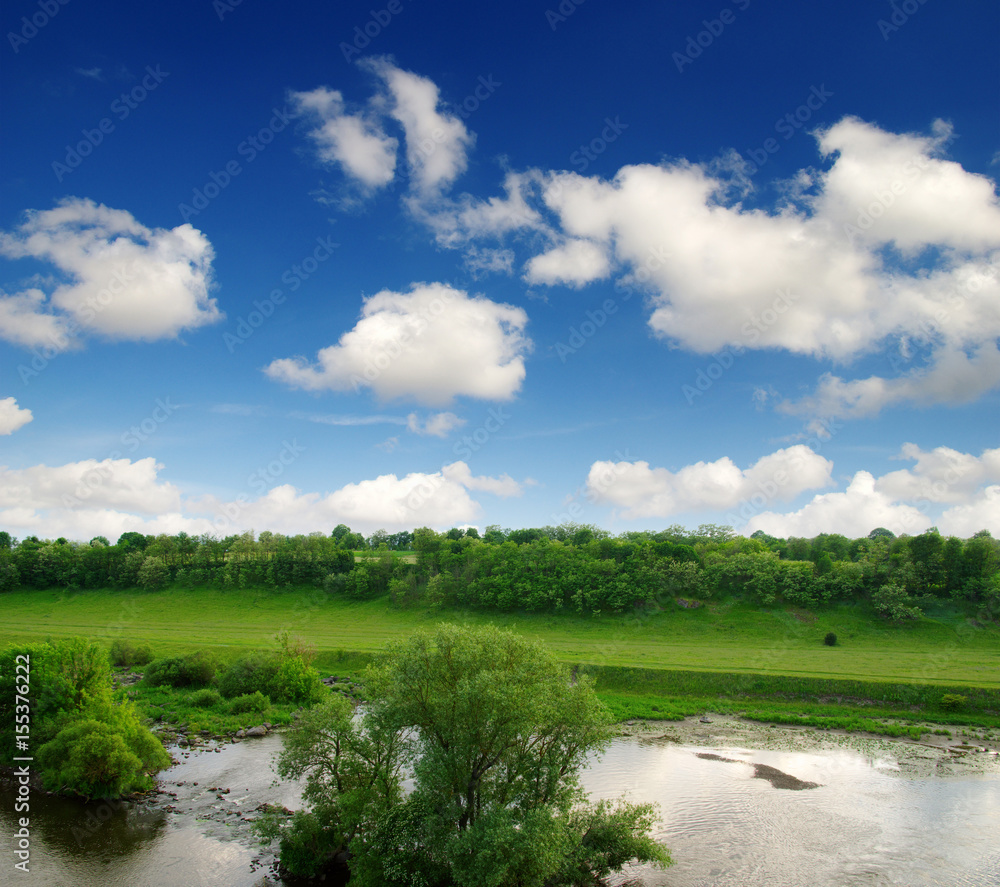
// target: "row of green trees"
[[604, 574], [572, 567], [270, 561]]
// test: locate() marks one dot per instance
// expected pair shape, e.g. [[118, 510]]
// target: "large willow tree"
[[493, 734]]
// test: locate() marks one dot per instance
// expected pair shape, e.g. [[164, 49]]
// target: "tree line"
[[573, 567]]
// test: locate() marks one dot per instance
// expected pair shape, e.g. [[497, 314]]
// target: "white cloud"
[[121, 279], [437, 143], [854, 513], [953, 378], [818, 276], [355, 141], [902, 501], [431, 344], [118, 484], [657, 492], [12, 416], [503, 486], [481, 261], [436, 425], [982, 512], [574, 263], [24, 321], [898, 189], [457, 221], [84, 499], [941, 475], [821, 275], [889, 243]]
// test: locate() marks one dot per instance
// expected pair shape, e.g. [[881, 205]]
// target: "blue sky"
[[405, 264]]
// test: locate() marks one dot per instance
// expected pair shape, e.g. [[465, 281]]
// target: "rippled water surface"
[[732, 817], [745, 818]]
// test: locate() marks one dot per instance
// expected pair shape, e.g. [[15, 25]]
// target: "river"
[[755, 810]]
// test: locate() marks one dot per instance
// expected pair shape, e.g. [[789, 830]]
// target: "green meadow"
[[726, 636]]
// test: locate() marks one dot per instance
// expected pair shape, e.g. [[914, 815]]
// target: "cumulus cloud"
[[84, 499], [982, 512], [12, 416], [437, 143], [903, 501], [90, 483], [854, 513], [940, 475], [643, 491], [889, 244], [821, 275], [431, 344], [356, 142], [120, 279], [574, 263]]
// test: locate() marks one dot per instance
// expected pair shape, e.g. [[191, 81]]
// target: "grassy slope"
[[724, 638]]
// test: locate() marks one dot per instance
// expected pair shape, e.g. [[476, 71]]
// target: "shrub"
[[255, 701], [894, 603], [335, 583], [193, 670], [206, 698], [284, 678], [125, 655], [953, 701], [153, 573], [255, 671], [830, 640], [104, 752]]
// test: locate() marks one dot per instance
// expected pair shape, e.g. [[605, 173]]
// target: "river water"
[[731, 816]]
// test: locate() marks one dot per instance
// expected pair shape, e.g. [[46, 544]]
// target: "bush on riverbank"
[[90, 740]]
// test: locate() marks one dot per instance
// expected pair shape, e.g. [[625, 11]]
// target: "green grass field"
[[725, 637]]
